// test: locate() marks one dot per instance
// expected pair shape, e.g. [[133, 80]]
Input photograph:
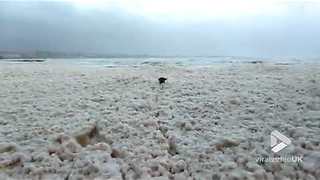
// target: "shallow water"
[[180, 61]]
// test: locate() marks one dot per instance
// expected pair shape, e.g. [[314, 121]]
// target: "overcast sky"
[[268, 28]]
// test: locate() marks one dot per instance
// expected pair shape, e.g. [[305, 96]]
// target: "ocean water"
[[144, 61], [180, 61], [183, 61]]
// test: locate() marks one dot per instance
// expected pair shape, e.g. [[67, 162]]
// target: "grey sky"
[[285, 29]]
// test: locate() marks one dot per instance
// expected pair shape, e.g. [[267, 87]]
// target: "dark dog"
[[162, 80]]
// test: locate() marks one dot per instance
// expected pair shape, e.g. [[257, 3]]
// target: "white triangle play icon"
[[278, 141]]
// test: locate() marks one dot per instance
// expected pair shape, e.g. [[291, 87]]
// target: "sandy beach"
[[208, 123]]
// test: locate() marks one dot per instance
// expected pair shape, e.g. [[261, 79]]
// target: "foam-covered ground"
[[207, 123]]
